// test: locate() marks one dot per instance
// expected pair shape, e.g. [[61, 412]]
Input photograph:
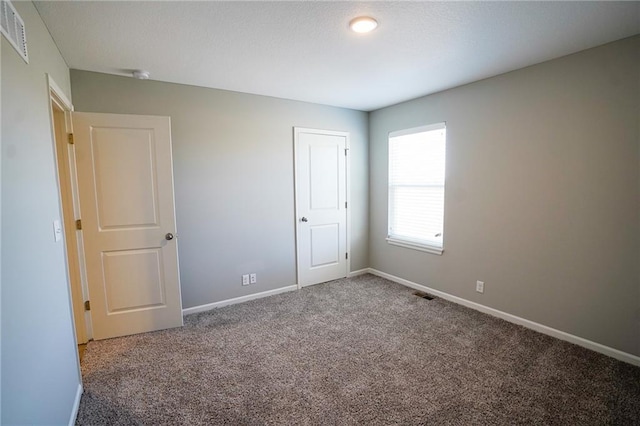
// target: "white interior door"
[[125, 181], [321, 205]]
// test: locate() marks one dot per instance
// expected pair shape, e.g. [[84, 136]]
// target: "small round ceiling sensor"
[[363, 24], [141, 74]]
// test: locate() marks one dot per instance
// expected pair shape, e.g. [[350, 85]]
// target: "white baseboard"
[[220, 304], [358, 272], [597, 347], [76, 406]]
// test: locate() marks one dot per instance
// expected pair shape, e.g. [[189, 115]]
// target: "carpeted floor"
[[354, 351]]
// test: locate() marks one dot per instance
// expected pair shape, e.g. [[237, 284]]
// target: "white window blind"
[[416, 187]]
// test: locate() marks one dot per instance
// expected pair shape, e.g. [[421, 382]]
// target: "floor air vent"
[[13, 28], [423, 295]]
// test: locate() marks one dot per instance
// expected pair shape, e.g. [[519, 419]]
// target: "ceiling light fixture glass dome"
[[363, 24]]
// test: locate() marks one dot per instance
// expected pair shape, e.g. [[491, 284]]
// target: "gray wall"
[[40, 374], [233, 172], [542, 193]]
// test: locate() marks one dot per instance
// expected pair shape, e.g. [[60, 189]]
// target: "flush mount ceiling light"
[[363, 24], [141, 74]]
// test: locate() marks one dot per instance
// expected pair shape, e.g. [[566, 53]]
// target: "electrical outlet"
[[245, 279], [254, 278], [480, 286]]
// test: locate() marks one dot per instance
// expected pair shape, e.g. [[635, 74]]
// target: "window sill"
[[416, 246]]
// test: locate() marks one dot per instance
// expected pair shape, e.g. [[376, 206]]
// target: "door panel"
[[320, 205], [135, 280], [125, 181], [323, 174], [127, 198], [325, 244]]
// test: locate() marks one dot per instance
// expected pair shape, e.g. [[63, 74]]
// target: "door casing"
[[61, 126]]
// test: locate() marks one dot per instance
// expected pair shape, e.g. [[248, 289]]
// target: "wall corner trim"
[[588, 344], [235, 300], [76, 406]]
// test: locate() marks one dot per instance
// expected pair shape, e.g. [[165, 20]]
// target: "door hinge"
[[345, 204], [346, 255], [78, 224], [345, 151], [87, 305], [70, 136]]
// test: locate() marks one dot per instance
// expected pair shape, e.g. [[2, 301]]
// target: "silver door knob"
[[169, 236], [304, 219]]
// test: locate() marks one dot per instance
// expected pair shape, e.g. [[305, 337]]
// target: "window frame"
[[407, 242]]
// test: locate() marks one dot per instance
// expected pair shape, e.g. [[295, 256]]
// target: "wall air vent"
[[13, 28]]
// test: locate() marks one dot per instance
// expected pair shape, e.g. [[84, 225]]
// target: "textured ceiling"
[[305, 51]]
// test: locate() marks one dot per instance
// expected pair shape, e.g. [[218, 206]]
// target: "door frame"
[[69, 204], [347, 181]]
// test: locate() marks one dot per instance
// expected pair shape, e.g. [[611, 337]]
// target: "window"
[[416, 187]]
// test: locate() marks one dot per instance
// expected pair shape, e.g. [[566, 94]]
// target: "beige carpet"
[[355, 351]]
